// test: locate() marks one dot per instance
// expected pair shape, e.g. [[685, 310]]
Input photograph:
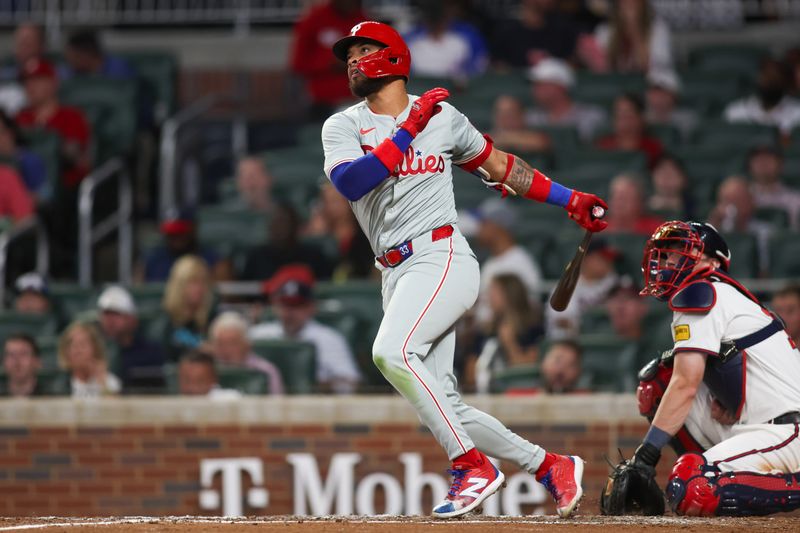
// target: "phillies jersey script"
[[419, 194]]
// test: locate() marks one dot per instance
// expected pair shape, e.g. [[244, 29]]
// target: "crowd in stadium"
[[598, 100]]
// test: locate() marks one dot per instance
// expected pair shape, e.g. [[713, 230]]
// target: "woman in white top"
[[635, 39], [82, 353]]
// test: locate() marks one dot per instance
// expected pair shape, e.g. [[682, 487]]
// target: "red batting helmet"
[[392, 60]]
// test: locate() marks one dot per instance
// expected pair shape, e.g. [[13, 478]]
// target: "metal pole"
[[125, 245], [85, 194]]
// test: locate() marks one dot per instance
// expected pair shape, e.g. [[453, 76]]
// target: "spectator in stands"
[[597, 277], [661, 103], [786, 303], [254, 184], [630, 131], [230, 346], [509, 131], [514, 331], [30, 166], [552, 79], [635, 39], [443, 46], [626, 207], [312, 38], [538, 31], [82, 353], [561, 367], [16, 203], [197, 376], [764, 166], [498, 221], [28, 44], [139, 361], [284, 247], [291, 293], [86, 57], [32, 295], [21, 363], [180, 239], [188, 306], [771, 105], [332, 217], [670, 184], [791, 59], [734, 213], [45, 111], [627, 310]]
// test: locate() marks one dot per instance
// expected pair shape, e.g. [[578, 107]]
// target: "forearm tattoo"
[[520, 178]]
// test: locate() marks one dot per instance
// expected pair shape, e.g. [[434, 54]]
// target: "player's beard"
[[362, 86]]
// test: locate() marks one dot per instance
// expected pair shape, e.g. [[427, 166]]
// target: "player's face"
[[360, 85]]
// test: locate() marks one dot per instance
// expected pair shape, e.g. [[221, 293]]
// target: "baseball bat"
[[566, 284]]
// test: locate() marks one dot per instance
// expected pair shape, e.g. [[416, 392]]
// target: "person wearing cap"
[[21, 362], [498, 221], [629, 130], [627, 212], [764, 167], [139, 362], [597, 277], [291, 293], [551, 82], [661, 102], [231, 347], [180, 239], [44, 110], [32, 294]]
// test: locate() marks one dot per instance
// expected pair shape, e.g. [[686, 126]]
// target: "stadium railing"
[[15, 234]]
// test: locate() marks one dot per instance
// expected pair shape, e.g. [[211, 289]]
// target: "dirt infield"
[[391, 524]]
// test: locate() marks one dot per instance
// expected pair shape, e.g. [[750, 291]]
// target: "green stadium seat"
[[737, 58], [349, 324], [48, 351], [297, 362], [516, 377], [148, 296], [609, 362], [224, 229], [245, 380], [669, 135], [54, 382], [726, 135], [301, 164], [776, 216], [484, 90], [592, 170], [784, 250], [709, 92], [710, 165], [602, 89], [112, 107], [72, 299], [744, 254], [364, 295], [34, 325], [158, 71], [595, 320]]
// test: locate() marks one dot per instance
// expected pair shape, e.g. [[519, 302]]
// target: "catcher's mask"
[[392, 60], [669, 256]]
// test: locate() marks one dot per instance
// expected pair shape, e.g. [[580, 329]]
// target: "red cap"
[[291, 285], [177, 227], [37, 68]]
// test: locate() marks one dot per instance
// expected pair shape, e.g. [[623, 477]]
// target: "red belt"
[[394, 256]]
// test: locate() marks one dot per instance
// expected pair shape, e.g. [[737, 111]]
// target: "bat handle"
[[598, 212]]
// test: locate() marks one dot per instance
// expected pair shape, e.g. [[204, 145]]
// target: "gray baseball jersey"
[[419, 195], [425, 295]]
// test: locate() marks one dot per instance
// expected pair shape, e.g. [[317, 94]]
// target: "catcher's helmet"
[[392, 60], [713, 243], [669, 257]]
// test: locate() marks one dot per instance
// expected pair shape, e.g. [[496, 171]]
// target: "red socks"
[[549, 459], [470, 459]]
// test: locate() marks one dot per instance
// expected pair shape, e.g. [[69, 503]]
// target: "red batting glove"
[[423, 109], [580, 207]]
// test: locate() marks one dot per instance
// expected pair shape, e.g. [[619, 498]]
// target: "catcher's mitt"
[[632, 489]]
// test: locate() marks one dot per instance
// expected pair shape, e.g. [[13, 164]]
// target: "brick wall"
[[122, 466]]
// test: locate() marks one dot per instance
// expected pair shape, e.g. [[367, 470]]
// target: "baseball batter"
[[733, 363], [391, 155]]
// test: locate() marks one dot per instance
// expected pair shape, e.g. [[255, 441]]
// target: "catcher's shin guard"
[[698, 489]]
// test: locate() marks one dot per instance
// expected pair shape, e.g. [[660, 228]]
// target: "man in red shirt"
[[630, 130], [314, 35], [45, 111], [15, 201]]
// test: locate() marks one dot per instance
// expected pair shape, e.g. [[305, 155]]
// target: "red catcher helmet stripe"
[[394, 59]]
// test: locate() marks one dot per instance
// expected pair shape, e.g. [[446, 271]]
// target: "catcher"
[[730, 404]]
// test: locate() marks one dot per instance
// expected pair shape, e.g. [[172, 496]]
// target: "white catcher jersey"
[[771, 368], [418, 196]]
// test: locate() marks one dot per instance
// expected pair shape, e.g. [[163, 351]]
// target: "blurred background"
[[162, 195]]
